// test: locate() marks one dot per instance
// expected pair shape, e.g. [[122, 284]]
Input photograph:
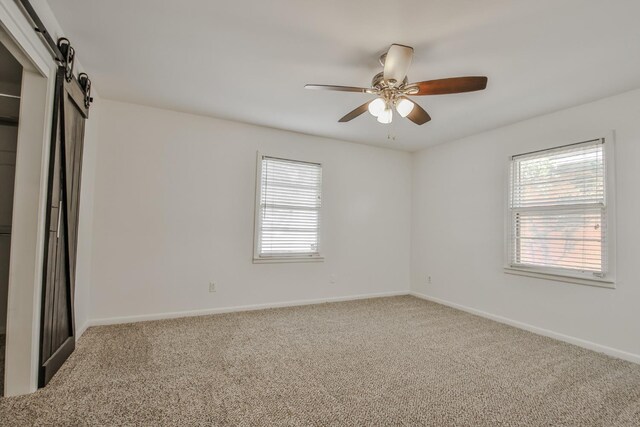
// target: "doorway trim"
[[30, 193]]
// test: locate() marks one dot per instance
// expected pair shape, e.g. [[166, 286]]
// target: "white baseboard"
[[203, 312], [631, 357], [81, 329]]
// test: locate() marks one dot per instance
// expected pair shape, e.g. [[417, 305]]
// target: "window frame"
[[281, 258], [608, 280]]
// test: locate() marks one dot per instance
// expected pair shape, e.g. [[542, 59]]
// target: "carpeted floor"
[[386, 361]]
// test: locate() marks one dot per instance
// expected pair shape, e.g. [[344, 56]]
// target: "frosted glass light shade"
[[386, 116], [404, 107], [377, 106]]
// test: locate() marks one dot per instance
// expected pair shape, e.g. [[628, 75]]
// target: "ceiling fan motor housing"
[[378, 81]]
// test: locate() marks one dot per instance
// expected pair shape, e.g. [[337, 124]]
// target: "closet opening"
[[10, 82]]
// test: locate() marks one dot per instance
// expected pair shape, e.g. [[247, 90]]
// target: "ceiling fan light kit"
[[404, 106], [392, 89], [386, 116], [381, 108], [377, 106]]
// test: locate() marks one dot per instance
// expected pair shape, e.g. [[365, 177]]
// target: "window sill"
[[602, 283], [278, 260]]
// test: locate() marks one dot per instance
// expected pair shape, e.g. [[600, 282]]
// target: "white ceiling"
[[249, 60]]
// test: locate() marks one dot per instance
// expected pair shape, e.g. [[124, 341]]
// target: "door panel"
[[74, 123], [65, 169]]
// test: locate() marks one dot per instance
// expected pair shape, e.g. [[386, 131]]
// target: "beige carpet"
[[388, 361]]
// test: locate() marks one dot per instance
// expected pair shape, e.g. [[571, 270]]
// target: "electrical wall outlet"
[[332, 279], [429, 280], [212, 287]]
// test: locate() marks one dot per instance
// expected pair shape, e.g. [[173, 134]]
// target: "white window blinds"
[[288, 217], [558, 209]]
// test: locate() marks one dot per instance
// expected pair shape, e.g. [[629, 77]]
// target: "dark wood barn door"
[[57, 336]]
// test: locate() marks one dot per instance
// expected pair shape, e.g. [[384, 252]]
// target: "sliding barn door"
[[57, 337]]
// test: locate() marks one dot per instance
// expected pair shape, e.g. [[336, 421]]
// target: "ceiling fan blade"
[[396, 63], [450, 85], [418, 115], [355, 113], [338, 88]]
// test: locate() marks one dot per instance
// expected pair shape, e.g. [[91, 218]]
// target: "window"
[[558, 212], [288, 202]]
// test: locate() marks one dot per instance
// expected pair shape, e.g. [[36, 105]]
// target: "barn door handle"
[[59, 219]]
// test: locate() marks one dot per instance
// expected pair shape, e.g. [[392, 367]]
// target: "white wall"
[[174, 209], [458, 227]]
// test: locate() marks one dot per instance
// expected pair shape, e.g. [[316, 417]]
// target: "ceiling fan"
[[392, 89]]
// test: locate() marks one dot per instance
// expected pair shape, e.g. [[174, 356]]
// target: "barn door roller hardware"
[[69, 54], [85, 83], [63, 53]]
